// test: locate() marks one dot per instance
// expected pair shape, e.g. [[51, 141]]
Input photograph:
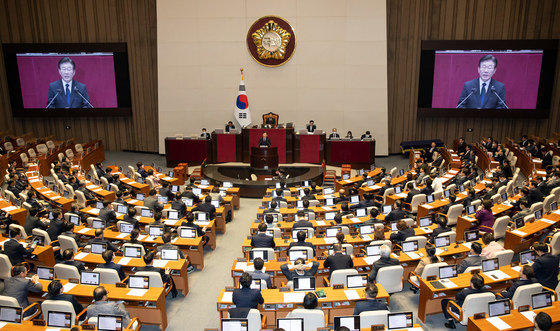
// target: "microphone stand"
[[465, 99], [501, 100], [80, 94], [52, 100]]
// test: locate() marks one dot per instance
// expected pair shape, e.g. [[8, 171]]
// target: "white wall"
[[337, 75]]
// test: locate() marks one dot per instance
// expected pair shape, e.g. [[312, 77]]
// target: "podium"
[[264, 157]]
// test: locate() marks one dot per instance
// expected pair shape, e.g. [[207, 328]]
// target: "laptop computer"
[[398, 190], [294, 254], [430, 198], [356, 281], [490, 265], [215, 203], [235, 324], [526, 257], [90, 278], [187, 233], [332, 232], [425, 221], [541, 300], [98, 248], [329, 202], [448, 271], [361, 212], [399, 320], [109, 323], [409, 246], [98, 224], [121, 209], [471, 235], [227, 184], [139, 196], [351, 322], [174, 188], [442, 241], [59, 319], [446, 193], [373, 250], [394, 226], [470, 209], [45, 273], [330, 216], [133, 252], [155, 230], [140, 282], [75, 220], [162, 200], [188, 202], [519, 222], [172, 215], [125, 227], [11, 314], [197, 191], [99, 205], [386, 209], [354, 199], [345, 176], [366, 229], [304, 283], [328, 190], [253, 254], [499, 308], [538, 214], [146, 213], [290, 324], [170, 254], [201, 217]]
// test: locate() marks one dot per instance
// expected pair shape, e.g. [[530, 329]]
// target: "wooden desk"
[[464, 223], [97, 190], [132, 184], [360, 154], [18, 214], [281, 138], [516, 320], [96, 154], [264, 157], [336, 303], [193, 151], [44, 254], [429, 302], [28, 325], [227, 147], [54, 199], [524, 237], [309, 148]]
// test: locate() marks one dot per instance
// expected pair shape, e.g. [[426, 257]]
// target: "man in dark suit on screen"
[[484, 92], [264, 141], [66, 92]]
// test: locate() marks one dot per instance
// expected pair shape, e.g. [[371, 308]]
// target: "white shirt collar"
[[480, 81]]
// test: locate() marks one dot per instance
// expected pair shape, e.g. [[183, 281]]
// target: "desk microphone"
[[465, 99], [80, 94], [493, 89], [57, 93]]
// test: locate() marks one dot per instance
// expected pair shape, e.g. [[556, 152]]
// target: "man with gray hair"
[[385, 261]]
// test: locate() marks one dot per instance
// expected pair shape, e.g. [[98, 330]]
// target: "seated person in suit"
[[334, 134], [157, 221], [270, 122], [428, 189], [264, 141], [371, 303], [342, 197], [166, 238], [310, 301], [542, 322], [299, 269], [473, 260], [261, 239], [305, 201], [165, 274], [477, 286], [229, 126], [373, 213], [545, 266], [311, 126], [130, 217], [412, 191], [301, 236], [438, 160], [56, 226], [526, 277], [430, 258], [302, 221], [384, 261], [55, 292], [204, 134], [207, 207], [179, 205], [246, 297], [349, 135], [18, 286], [258, 263], [68, 259], [107, 214], [451, 203], [140, 169], [441, 222], [200, 232], [397, 213], [109, 264], [102, 306], [273, 208], [98, 239], [33, 221], [279, 196], [69, 232], [269, 220], [14, 249], [163, 191], [338, 260], [403, 232], [151, 200], [366, 135], [134, 238], [492, 246], [119, 197], [32, 200], [344, 209]]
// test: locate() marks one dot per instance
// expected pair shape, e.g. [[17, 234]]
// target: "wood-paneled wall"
[[410, 21], [91, 21]]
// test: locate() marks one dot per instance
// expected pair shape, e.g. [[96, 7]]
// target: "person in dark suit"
[[164, 190], [69, 232], [302, 221], [151, 200], [411, 192], [483, 92], [473, 260], [107, 213], [130, 217], [102, 305], [334, 134], [403, 232], [56, 226], [66, 92], [18, 286], [279, 196], [258, 263], [179, 205], [366, 135], [542, 322], [535, 195], [264, 141], [371, 303], [311, 126], [261, 239], [338, 261], [164, 273], [299, 269], [166, 238], [441, 222], [301, 236], [273, 208], [204, 134], [428, 189], [526, 277], [384, 261], [246, 297], [545, 266], [397, 213], [68, 259], [32, 221], [109, 264], [373, 213], [14, 250], [462, 146], [229, 126], [207, 207], [477, 286], [55, 292], [98, 239]]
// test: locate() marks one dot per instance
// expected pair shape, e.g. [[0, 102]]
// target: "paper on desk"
[[131, 201], [296, 297], [371, 259], [327, 208], [250, 268], [84, 230], [467, 245], [497, 274], [172, 241], [530, 315], [169, 222], [91, 187], [321, 223], [498, 323], [376, 187], [426, 206], [137, 292], [412, 255], [516, 268], [68, 286], [447, 283], [401, 195], [160, 263], [394, 255], [427, 230], [202, 186], [10, 208], [365, 237], [557, 212], [202, 223], [547, 221], [227, 297], [97, 190], [240, 265], [93, 211], [347, 181], [124, 260], [167, 178], [439, 251], [3, 324], [141, 237], [519, 233], [122, 235], [352, 294], [330, 240], [80, 256]]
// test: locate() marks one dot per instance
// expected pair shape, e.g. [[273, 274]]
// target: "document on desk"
[[427, 230], [516, 268], [227, 297], [295, 297], [347, 181], [321, 223], [498, 323], [141, 237], [93, 211], [67, 287], [401, 195], [519, 233], [80, 256], [250, 268], [91, 187], [370, 259], [330, 240], [557, 212], [124, 261], [496, 274], [131, 201], [447, 283], [202, 223], [529, 314], [376, 187], [412, 255], [84, 230], [170, 222], [327, 208], [160, 263], [355, 220], [122, 235], [352, 294], [137, 292], [547, 221], [365, 237], [10, 208], [439, 251], [467, 245], [240, 265], [3, 324]]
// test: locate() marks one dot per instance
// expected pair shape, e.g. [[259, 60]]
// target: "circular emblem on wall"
[[271, 41]]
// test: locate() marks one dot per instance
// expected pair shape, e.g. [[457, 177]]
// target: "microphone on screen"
[[465, 99], [50, 102], [493, 89], [81, 95]]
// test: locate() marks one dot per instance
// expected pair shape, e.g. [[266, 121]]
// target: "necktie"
[[482, 94], [68, 94]]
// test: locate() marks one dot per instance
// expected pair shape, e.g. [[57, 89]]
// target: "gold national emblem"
[[271, 41]]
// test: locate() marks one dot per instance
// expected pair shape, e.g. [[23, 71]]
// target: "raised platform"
[[240, 176]]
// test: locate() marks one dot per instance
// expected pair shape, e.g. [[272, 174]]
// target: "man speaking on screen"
[[66, 92], [484, 92]]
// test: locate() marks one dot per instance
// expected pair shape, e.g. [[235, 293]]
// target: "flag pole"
[[241, 73]]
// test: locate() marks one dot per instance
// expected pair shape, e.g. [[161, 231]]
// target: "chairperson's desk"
[[149, 308], [277, 304]]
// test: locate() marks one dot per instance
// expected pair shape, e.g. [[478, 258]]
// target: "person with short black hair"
[[166, 238], [67, 92], [261, 239], [484, 92], [56, 292], [164, 273], [69, 232], [371, 303], [543, 322], [107, 213], [98, 239], [229, 126], [473, 260], [366, 135], [338, 260], [206, 207], [56, 225], [526, 277], [310, 301], [301, 236], [258, 263], [33, 221], [299, 269], [403, 232], [302, 222], [130, 217], [269, 220], [246, 297], [14, 249], [477, 286], [441, 222], [545, 266], [109, 264], [68, 259], [102, 306]]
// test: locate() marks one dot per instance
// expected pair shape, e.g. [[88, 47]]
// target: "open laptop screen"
[[351, 322], [541, 300], [89, 278], [59, 319], [356, 281], [304, 283], [498, 308], [290, 324], [10, 314], [399, 320], [109, 323], [141, 282], [235, 324]]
